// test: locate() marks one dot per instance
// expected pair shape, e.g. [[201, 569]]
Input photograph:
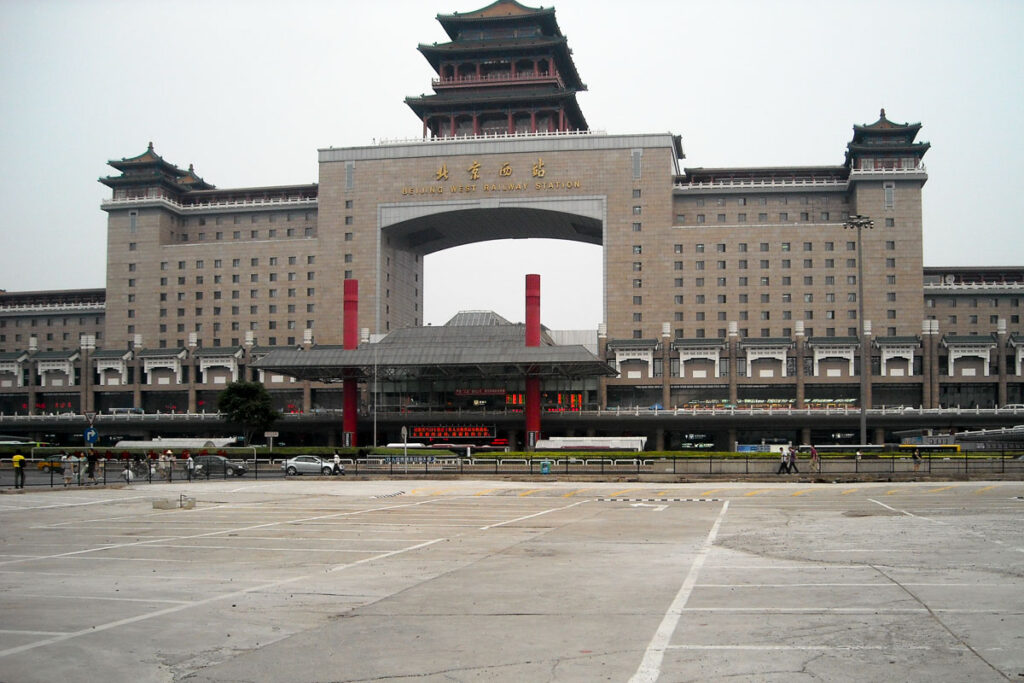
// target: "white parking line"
[[177, 608], [536, 514], [650, 665]]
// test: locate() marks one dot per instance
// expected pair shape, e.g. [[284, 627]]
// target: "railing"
[[759, 183], [488, 79], [491, 136], [204, 206], [631, 411], [920, 168], [975, 286], [21, 309], [138, 472]]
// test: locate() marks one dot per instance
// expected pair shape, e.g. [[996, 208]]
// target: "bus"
[[932, 448]]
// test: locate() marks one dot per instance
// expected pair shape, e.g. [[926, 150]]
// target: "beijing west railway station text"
[[723, 288]]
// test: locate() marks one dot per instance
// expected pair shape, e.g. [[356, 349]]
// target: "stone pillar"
[[926, 364], [659, 439], [666, 364], [602, 353], [801, 350], [307, 385], [805, 435], [879, 436], [1001, 350], [734, 361], [193, 370], [865, 362], [730, 440], [33, 376], [139, 378], [87, 344], [936, 392]]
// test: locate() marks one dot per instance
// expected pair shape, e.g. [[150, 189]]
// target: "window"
[[762, 218], [721, 218], [637, 266], [638, 249], [678, 282], [636, 210], [786, 263], [677, 265], [785, 246], [808, 246], [638, 300], [741, 218], [784, 217], [638, 283], [700, 218], [721, 265], [636, 227], [678, 249], [830, 246], [890, 263], [808, 263], [890, 195], [890, 245]]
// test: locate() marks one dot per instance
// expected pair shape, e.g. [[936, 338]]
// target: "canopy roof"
[[490, 350]]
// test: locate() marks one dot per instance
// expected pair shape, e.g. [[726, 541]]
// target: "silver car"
[[307, 464]]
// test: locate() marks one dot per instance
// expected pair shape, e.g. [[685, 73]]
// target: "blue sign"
[[91, 436]]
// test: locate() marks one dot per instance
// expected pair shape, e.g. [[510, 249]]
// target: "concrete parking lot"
[[328, 580]]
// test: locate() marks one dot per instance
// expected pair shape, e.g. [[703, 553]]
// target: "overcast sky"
[[249, 90]]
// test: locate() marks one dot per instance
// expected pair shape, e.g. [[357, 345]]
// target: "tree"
[[247, 404]]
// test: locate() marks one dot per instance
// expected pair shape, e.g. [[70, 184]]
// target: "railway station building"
[[743, 287]]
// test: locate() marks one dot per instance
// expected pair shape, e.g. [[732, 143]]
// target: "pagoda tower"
[[507, 69]]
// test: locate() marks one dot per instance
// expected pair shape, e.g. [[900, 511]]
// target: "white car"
[[308, 464]]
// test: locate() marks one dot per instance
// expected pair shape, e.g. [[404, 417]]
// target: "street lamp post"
[[858, 223]]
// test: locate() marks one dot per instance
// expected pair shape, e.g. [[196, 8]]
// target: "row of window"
[[254, 262], [308, 231], [743, 247], [288, 216], [51, 336], [765, 281], [973, 319], [764, 264], [973, 303], [761, 201], [34, 322], [764, 332], [762, 217]]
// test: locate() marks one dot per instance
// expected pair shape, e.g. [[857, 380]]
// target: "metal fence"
[[49, 474]]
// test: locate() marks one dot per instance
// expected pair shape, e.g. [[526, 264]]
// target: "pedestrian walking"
[[917, 459], [338, 469], [18, 463], [815, 461], [90, 467], [66, 469], [190, 466], [792, 460], [783, 463]]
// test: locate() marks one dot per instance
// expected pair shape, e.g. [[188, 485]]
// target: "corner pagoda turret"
[[885, 146], [148, 175], [508, 69]]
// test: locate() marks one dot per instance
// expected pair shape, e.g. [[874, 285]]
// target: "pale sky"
[[248, 90]]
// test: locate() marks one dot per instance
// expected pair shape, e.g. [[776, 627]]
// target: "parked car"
[[51, 463], [218, 464], [307, 464]]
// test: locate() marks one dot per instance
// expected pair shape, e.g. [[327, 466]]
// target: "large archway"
[[408, 232]]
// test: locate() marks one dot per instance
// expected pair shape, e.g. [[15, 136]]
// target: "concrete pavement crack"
[[939, 621]]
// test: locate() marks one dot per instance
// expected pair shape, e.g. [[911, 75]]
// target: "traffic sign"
[[91, 436], [270, 435]]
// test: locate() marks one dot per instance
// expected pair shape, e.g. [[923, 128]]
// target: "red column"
[[476, 124], [533, 121], [511, 123], [452, 126], [350, 339], [532, 407]]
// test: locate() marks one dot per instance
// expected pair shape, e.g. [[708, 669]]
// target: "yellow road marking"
[[573, 493], [526, 493], [619, 493], [848, 491], [754, 493], [483, 493], [889, 493], [708, 492], [414, 492], [987, 488], [941, 488], [661, 493], [800, 493]]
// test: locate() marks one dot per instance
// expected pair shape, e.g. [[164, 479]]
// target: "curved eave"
[[545, 17], [862, 148], [566, 66]]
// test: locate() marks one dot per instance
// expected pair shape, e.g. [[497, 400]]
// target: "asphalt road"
[[328, 580]]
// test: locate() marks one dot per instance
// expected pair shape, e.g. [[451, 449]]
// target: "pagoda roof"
[[884, 126], [218, 351], [488, 47], [632, 344], [446, 101], [150, 168], [498, 12], [833, 341], [896, 341], [123, 354], [66, 355], [697, 343], [766, 341], [162, 353], [968, 339]]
